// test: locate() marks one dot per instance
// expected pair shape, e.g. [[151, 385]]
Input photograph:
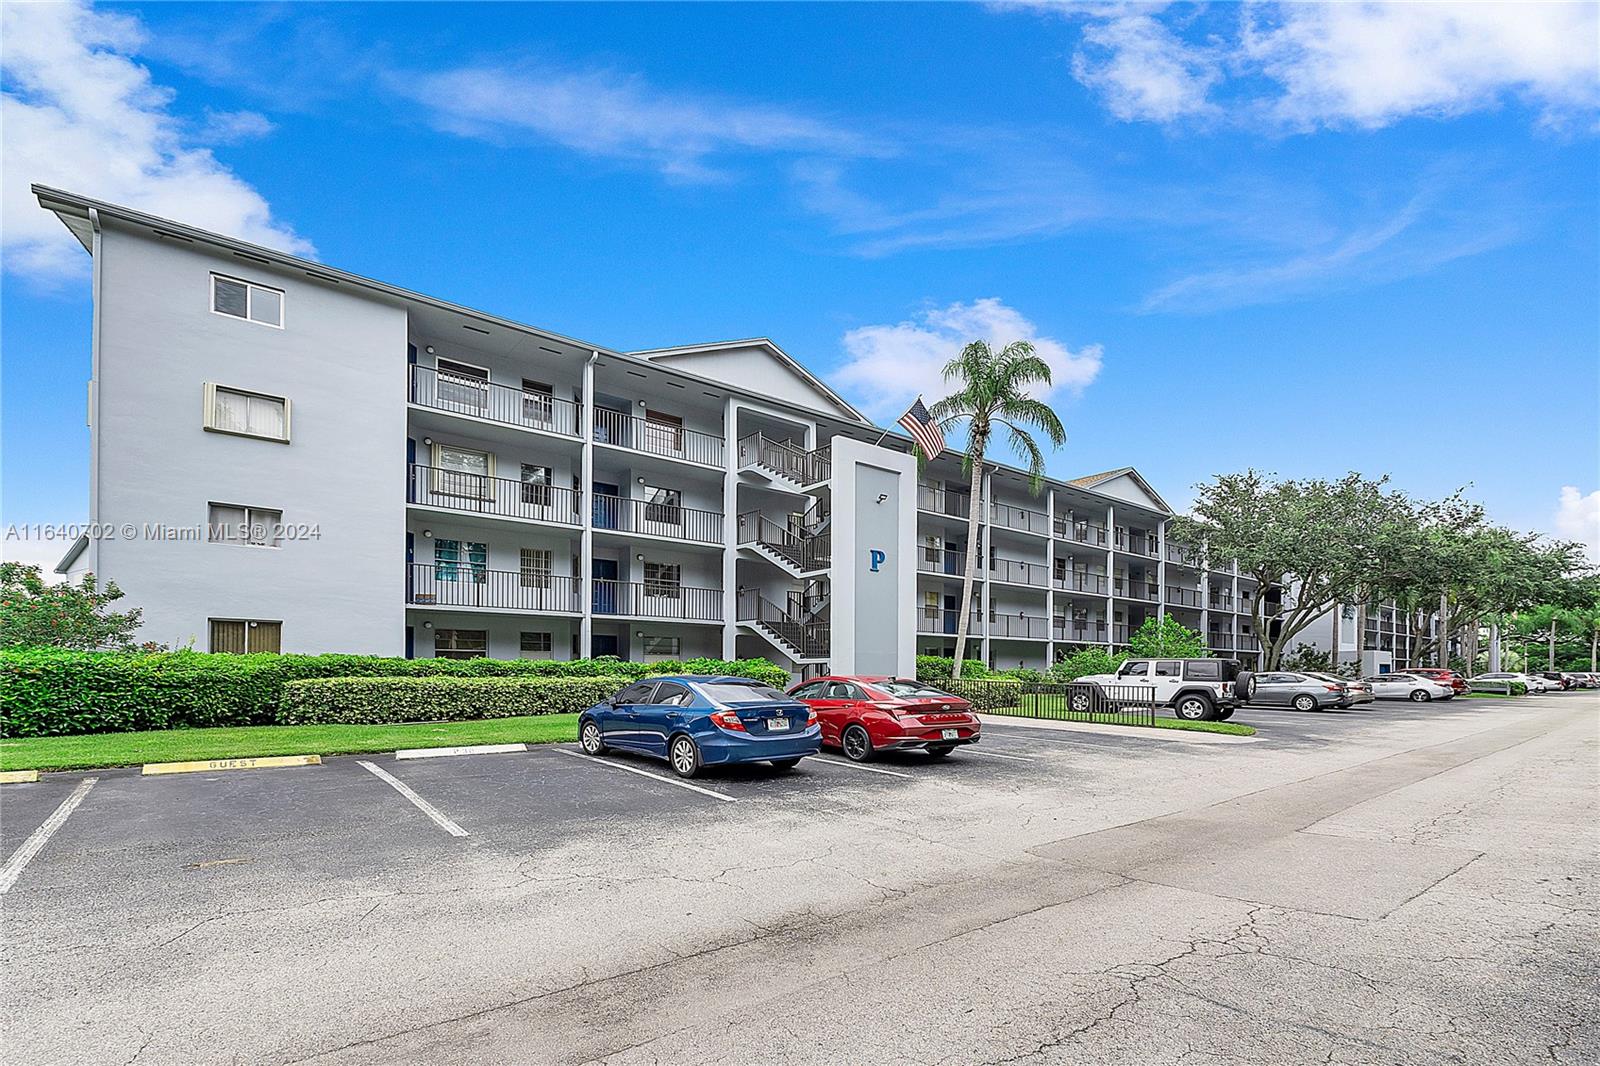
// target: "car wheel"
[[589, 739], [939, 751], [857, 745], [1081, 702], [783, 766], [1194, 707], [1305, 703], [1420, 695], [684, 756]]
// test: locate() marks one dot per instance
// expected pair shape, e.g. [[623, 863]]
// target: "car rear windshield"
[[727, 694], [901, 688]]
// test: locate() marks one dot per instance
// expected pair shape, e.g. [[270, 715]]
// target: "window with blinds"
[[246, 414], [244, 636], [255, 526], [460, 643], [535, 568]]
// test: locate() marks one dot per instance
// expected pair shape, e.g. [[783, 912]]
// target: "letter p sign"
[[875, 558]]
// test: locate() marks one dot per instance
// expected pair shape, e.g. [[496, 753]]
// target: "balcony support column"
[[1161, 570], [586, 511], [1111, 575], [1050, 580], [730, 530]]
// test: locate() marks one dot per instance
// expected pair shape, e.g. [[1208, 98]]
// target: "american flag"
[[924, 430]]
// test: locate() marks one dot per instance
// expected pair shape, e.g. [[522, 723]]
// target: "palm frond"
[[1026, 411]]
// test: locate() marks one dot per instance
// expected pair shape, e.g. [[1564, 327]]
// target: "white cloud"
[[81, 114], [229, 127], [1144, 70], [888, 365], [619, 116], [1578, 518]]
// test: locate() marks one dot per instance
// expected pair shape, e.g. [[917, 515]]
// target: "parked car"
[[693, 721], [1578, 679], [866, 715], [1356, 691], [1557, 679], [1413, 687], [1593, 679], [1534, 682], [1195, 689], [1444, 677], [1300, 691]]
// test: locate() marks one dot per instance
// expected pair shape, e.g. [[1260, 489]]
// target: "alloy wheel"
[[683, 756], [857, 745], [590, 739]]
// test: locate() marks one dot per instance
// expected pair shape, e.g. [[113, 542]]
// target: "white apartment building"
[[314, 462]]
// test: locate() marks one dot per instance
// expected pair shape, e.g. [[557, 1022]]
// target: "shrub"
[[55, 692], [380, 700], [1084, 662], [935, 668], [986, 694]]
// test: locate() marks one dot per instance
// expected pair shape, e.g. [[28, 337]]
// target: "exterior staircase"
[[801, 641], [797, 554], [784, 465]]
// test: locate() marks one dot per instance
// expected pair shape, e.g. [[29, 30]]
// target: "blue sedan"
[[694, 721]]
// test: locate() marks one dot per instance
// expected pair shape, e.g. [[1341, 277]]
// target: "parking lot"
[[1399, 883]]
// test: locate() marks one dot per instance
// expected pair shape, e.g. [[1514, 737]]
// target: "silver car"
[[1355, 691], [1300, 691]]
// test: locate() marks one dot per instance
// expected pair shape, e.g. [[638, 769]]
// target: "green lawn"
[[1230, 728], [239, 742]]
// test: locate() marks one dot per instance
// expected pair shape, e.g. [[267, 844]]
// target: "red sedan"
[[1444, 677], [866, 715]]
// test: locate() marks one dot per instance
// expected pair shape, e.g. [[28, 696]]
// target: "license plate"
[[775, 724], [950, 734]]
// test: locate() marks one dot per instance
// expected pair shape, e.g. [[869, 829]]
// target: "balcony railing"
[[944, 620], [786, 459], [942, 561], [1010, 516], [1182, 556], [940, 500], [1138, 544], [657, 519], [653, 599], [527, 408], [1081, 581], [1019, 625], [1120, 634], [1217, 641], [461, 584], [1220, 603], [656, 438], [1082, 532], [1136, 590], [1019, 572], [1246, 642], [1080, 632], [1183, 597], [477, 494]]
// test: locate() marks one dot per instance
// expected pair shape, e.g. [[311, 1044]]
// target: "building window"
[[242, 299], [535, 485], [258, 526], [535, 568], [460, 643], [456, 560], [538, 402], [462, 386], [663, 506], [463, 472], [537, 645], [671, 647], [249, 414], [662, 432], [664, 580], [242, 636]]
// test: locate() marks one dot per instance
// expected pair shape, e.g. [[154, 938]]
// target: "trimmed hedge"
[[55, 692], [985, 694], [382, 700]]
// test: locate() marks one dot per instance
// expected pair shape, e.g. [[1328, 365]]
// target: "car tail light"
[[730, 721], [1334, 688], [811, 718]]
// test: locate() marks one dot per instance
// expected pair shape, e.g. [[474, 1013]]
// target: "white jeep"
[[1199, 690]]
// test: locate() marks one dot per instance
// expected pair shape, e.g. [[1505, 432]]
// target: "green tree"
[[1166, 638], [35, 613], [1084, 662], [992, 394]]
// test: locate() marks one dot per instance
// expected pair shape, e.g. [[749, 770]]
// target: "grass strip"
[[1232, 729], [243, 742]]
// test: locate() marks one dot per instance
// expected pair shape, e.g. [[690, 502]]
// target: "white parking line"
[[969, 750], [416, 801], [858, 766], [40, 836], [594, 761]]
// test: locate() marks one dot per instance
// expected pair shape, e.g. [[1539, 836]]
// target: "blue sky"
[[1306, 239]]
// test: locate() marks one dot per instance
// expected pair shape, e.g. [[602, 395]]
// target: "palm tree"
[[993, 394]]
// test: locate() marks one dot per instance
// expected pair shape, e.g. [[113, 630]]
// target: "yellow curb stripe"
[[18, 777], [207, 765]]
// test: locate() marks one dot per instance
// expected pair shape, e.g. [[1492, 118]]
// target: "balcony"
[[942, 561], [655, 600], [1183, 556], [1082, 581], [1018, 572], [1010, 516], [614, 513], [1120, 634], [655, 437], [1148, 591], [940, 500], [1019, 626], [1180, 597], [455, 490], [1081, 532], [1219, 603], [1080, 632], [944, 620], [1246, 642], [783, 459], [1138, 544], [464, 585], [1219, 641], [477, 398]]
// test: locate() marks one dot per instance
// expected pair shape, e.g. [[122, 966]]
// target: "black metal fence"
[[1077, 701]]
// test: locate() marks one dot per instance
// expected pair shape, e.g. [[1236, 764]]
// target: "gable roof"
[[714, 359], [1104, 480]]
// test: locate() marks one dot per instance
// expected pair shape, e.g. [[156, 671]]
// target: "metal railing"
[[1020, 572], [527, 408], [809, 640], [659, 519], [1082, 632], [656, 438], [945, 561], [1120, 634], [1219, 641], [434, 486], [939, 500], [1136, 589], [945, 620], [1022, 626], [1246, 642], [786, 459], [652, 599], [1220, 603], [1078, 701], [1082, 581], [806, 553], [1082, 532], [1183, 597], [461, 584], [1010, 516], [1182, 556], [1138, 544]]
